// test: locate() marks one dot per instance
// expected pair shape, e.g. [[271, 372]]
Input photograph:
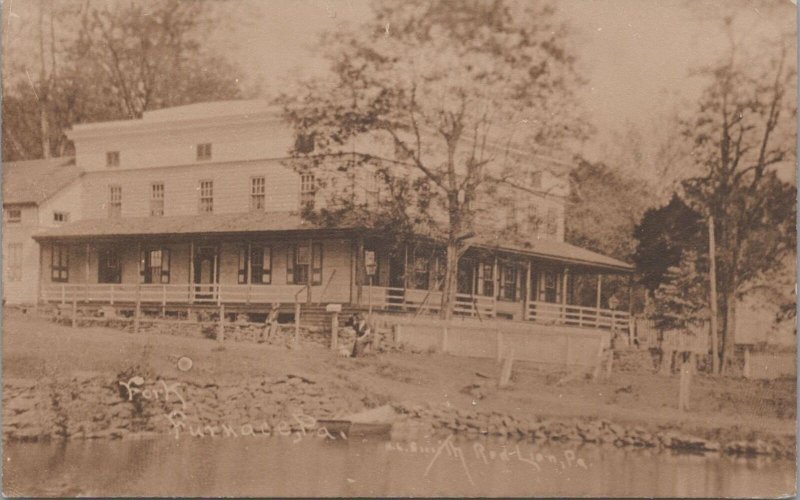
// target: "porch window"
[[260, 259], [206, 196], [549, 291], [59, 264], [300, 264], [257, 193], [486, 279], [154, 265], [14, 262], [157, 199], [108, 267], [422, 272], [508, 282], [115, 201]]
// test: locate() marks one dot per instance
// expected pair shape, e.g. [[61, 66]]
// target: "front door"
[[109, 268], [466, 276], [205, 272]]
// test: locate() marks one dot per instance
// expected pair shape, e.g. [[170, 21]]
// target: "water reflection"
[[316, 467]]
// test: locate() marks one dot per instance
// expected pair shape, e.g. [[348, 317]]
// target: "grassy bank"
[[35, 349]]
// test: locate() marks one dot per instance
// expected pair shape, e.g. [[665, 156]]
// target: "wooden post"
[[685, 380], [137, 312], [499, 338], [568, 361], [221, 326], [713, 299], [191, 272], [74, 311], [335, 331], [599, 289], [747, 367], [527, 299], [163, 301], [296, 324], [505, 373]]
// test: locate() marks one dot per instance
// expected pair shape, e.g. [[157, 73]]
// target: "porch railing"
[[564, 314], [101, 293], [411, 300]]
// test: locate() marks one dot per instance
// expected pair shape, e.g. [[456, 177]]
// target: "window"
[[508, 282], [260, 260], [304, 144], [109, 269], [551, 225], [13, 215], [115, 201], [204, 151], [486, 278], [112, 159], [550, 287], [59, 264], [206, 196], [154, 265], [307, 189], [422, 272], [14, 262], [157, 198], [301, 265], [60, 217], [533, 218], [257, 191]]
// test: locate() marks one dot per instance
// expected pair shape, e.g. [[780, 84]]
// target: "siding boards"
[[181, 189]]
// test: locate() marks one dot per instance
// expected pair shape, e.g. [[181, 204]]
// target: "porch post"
[[359, 266], [310, 270], [564, 287], [191, 271], [527, 298], [495, 278], [249, 277], [599, 288]]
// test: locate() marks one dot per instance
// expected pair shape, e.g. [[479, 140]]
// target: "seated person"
[[363, 334]]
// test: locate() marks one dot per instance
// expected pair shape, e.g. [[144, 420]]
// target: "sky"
[[636, 54]]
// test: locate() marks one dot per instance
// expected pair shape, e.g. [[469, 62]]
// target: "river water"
[[312, 466]]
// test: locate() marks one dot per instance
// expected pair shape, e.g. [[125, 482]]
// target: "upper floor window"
[[257, 193], [13, 215], [14, 262], [115, 201], [59, 264], [112, 158], [204, 151], [551, 224], [307, 184], [157, 198], [304, 143], [206, 196], [60, 217]]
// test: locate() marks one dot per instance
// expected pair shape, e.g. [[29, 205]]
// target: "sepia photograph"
[[399, 248]]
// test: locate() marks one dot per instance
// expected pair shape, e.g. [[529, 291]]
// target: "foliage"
[[435, 101], [113, 60]]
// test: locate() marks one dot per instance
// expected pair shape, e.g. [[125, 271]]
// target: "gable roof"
[[34, 181]]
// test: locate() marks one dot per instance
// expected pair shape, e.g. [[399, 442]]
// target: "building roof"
[[216, 224], [254, 222], [557, 250], [34, 181]]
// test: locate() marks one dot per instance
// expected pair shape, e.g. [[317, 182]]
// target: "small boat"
[[374, 422]]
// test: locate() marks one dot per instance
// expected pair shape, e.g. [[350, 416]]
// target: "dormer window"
[[59, 217], [204, 151], [112, 159]]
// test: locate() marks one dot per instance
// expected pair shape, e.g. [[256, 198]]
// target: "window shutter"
[[142, 265], [290, 265], [165, 265], [242, 275]]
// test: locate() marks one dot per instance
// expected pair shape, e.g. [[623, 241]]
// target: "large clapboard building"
[[196, 206]]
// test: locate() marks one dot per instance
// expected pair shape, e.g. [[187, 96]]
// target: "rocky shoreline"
[[137, 405]]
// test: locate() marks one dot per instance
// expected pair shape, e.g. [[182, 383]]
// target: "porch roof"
[[171, 226], [556, 250]]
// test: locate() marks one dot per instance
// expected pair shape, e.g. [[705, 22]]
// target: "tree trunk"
[[728, 335], [43, 89], [450, 280]]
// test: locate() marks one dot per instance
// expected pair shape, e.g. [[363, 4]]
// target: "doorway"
[[206, 272]]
